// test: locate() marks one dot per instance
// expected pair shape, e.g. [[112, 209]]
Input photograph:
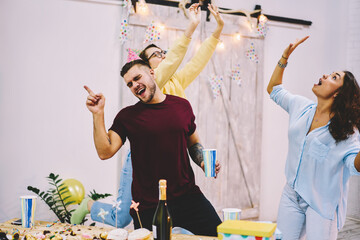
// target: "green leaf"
[[63, 188], [57, 181], [65, 198], [69, 203]]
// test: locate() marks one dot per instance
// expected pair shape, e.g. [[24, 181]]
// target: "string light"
[[142, 7], [161, 27], [263, 18], [237, 37], [221, 45]]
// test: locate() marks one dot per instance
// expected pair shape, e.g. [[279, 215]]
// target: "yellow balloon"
[[76, 191]]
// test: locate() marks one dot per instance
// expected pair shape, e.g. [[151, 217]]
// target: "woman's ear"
[[152, 73]]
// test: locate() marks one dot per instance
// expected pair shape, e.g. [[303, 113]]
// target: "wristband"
[[282, 65]]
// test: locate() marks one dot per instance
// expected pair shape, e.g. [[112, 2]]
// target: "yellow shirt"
[[174, 83]]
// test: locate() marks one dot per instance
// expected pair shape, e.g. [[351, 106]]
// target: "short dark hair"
[[129, 65], [143, 54]]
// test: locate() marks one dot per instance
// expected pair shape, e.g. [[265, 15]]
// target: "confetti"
[[251, 54], [152, 33], [215, 83], [262, 28], [235, 74], [124, 30]]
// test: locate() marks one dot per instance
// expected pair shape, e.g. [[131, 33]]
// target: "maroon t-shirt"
[[158, 135]]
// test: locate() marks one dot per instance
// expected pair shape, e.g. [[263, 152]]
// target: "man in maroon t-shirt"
[[160, 128]]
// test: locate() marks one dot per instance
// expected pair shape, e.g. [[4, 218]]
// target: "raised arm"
[[197, 63], [277, 76], [176, 54], [106, 143], [195, 151], [220, 22]]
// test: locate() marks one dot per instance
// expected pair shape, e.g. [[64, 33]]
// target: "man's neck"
[[159, 97]]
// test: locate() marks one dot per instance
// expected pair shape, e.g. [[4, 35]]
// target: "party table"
[[53, 231]]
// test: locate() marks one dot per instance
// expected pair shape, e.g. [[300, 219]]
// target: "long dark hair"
[[346, 109]]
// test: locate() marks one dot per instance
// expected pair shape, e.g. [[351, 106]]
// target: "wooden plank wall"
[[230, 123]]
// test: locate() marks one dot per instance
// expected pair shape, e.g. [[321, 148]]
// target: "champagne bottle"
[[162, 223]]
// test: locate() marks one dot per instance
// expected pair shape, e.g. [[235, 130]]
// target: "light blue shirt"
[[317, 168]]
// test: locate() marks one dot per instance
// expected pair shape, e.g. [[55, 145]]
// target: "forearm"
[[101, 137], [190, 29], [196, 153], [217, 32], [277, 76], [170, 64], [197, 63]]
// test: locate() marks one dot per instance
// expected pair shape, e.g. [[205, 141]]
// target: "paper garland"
[[262, 28], [235, 74], [124, 30], [133, 54], [215, 83], [152, 33], [128, 5], [251, 54]]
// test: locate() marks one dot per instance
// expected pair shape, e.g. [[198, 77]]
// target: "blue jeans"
[[296, 218], [124, 195]]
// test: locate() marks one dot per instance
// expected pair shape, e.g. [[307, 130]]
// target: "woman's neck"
[[324, 106]]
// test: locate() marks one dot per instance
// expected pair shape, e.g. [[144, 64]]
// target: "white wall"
[[50, 48], [353, 65]]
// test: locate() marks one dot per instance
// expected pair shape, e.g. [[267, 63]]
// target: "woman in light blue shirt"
[[323, 152]]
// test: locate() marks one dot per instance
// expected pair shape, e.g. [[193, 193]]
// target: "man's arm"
[[196, 152], [195, 149], [106, 143]]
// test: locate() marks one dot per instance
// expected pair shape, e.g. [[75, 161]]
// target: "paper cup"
[[28, 204], [209, 162], [232, 214]]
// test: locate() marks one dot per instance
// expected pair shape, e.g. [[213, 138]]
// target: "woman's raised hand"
[[215, 12], [195, 13], [292, 47]]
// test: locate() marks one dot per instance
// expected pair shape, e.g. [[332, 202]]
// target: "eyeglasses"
[[158, 54]]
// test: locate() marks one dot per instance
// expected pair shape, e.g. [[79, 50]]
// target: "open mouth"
[[320, 82], [140, 91]]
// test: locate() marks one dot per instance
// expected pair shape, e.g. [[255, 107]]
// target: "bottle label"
[[154, 231]]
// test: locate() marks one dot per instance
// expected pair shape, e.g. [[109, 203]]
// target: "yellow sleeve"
[[173, 59], [194, 67]]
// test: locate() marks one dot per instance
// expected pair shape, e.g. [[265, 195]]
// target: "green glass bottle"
[[162, 223]]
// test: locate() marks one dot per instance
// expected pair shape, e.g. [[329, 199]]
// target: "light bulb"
[[161, 27], [237, 36], [142, 7], [263, 18], [221, 45]]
